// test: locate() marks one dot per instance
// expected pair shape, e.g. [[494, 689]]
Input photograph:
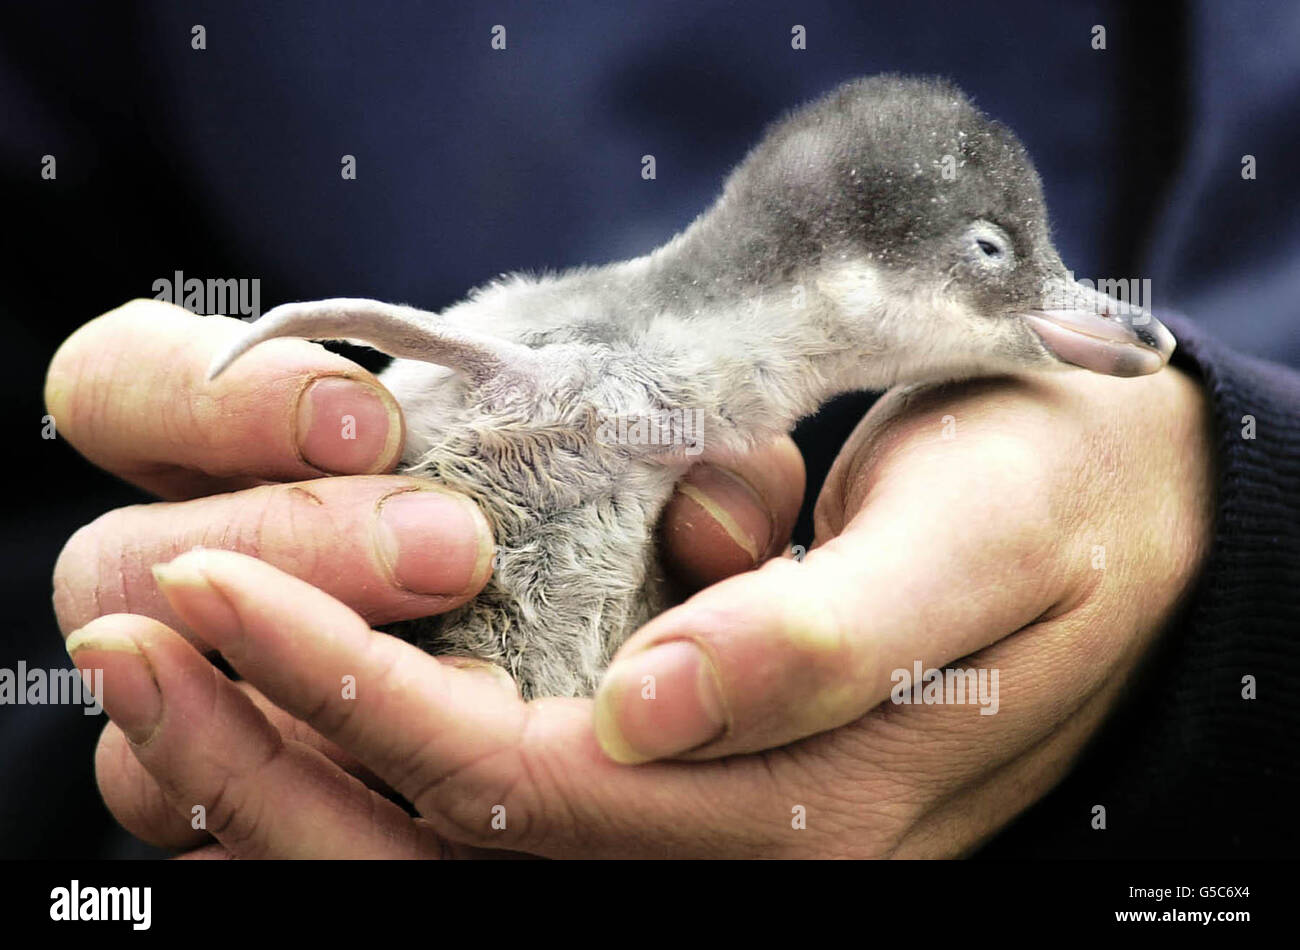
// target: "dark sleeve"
[[1191, 767]]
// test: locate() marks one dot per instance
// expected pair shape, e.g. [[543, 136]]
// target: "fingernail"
[[433, 542], [130, 692], [735, 517], [348, 427], [659, 703], [496, 674], [203, 607]]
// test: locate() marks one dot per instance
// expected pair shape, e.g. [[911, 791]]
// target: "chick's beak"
[[1078, 325]]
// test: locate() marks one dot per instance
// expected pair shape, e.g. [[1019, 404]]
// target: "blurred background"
[[224, 162]]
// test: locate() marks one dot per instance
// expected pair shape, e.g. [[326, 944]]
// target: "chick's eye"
[[988, 248]]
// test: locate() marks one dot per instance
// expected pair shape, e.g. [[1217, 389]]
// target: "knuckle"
[[809, 621], [237, 814], [233, 822], [285, 525]]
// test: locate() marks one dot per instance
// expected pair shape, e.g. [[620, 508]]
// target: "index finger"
[[128, 391]]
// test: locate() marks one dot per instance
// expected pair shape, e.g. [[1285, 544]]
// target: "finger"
[[137, 801], [128, 391], [483, 767], [930, 569], [392, 547], [295, 730], [257, 794], [134, 797], [263, 622], [730, 514]]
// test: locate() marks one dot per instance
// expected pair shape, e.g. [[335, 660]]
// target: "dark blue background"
[[471, 161]]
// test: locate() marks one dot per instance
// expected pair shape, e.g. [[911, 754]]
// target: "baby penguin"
[[887, 233]]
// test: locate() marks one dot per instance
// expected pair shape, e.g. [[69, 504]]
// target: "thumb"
[[932, 568]]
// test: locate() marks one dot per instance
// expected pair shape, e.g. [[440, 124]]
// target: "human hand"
[[984, 546], [242, 460]]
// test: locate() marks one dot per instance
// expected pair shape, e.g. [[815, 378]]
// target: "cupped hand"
[[284, 458], [1043, 530]]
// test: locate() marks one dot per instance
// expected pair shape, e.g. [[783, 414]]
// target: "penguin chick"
[[887, 233]]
